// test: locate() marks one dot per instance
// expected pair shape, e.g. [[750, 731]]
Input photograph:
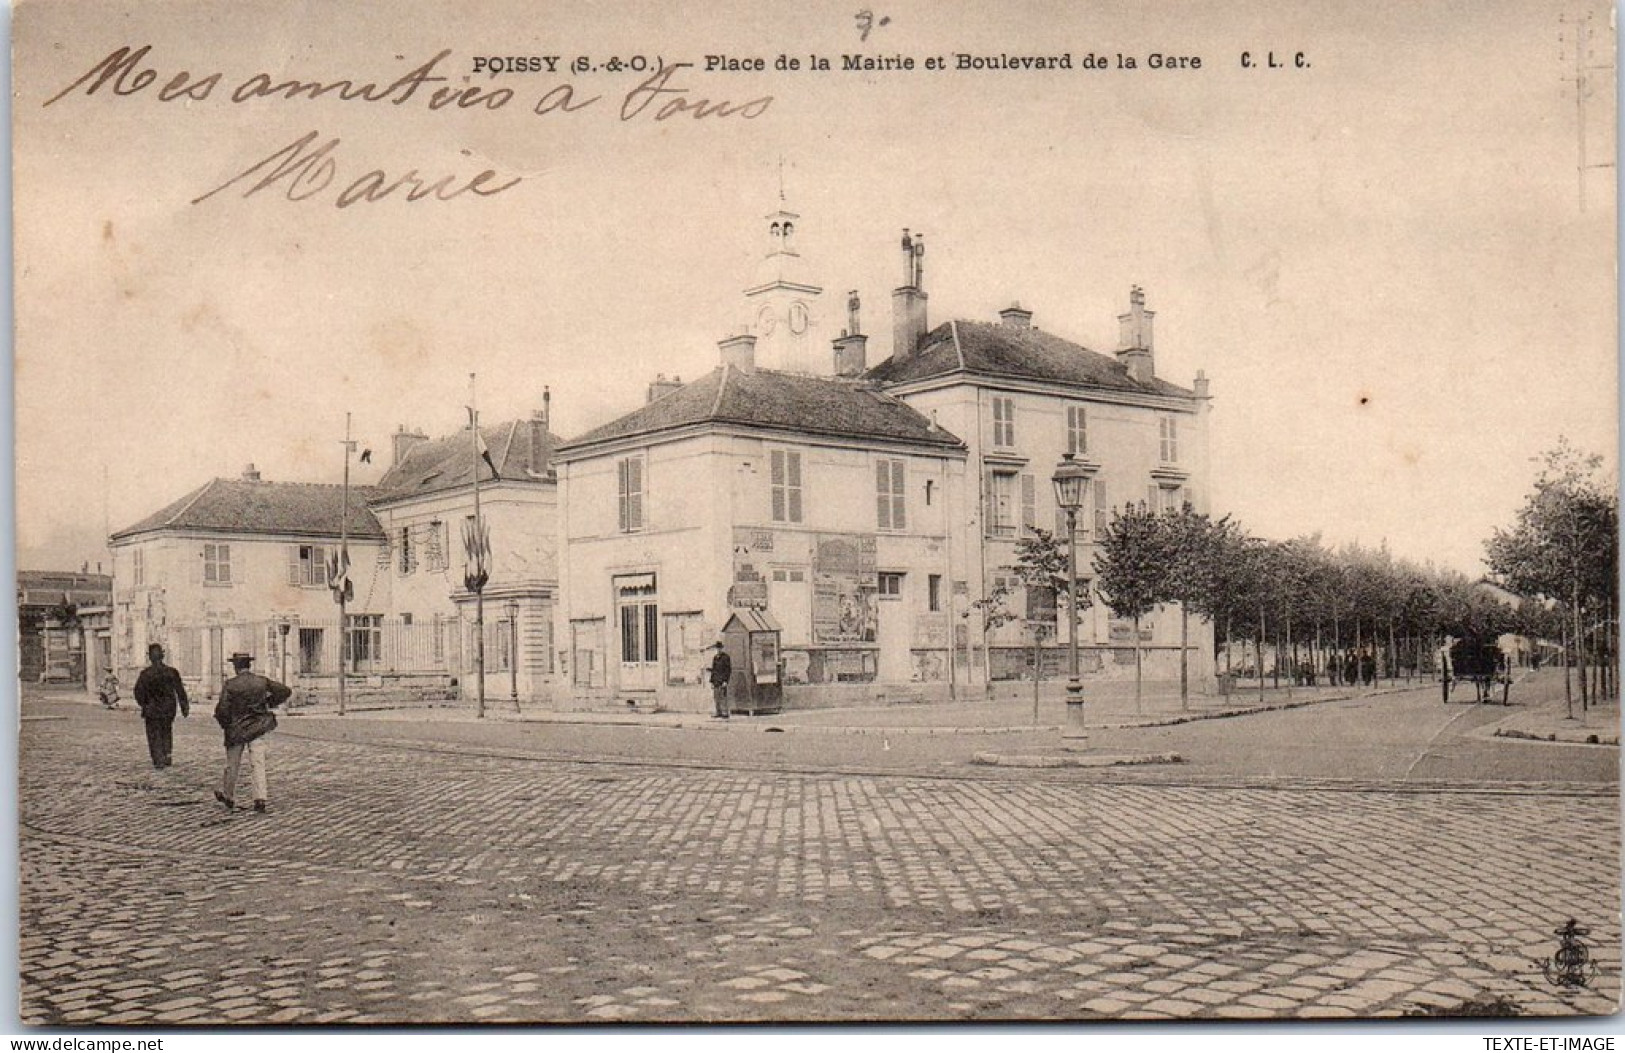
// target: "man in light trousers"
[[244, 713]]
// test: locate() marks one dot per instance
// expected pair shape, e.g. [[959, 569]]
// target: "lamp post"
[[513, 653], [1070, 480]]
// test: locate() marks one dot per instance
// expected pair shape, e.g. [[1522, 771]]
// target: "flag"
[[338, 576], [476, 554], [479, 445]]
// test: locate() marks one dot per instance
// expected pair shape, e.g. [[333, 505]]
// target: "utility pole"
[[343, 587], [1580, 30], [475, 577]]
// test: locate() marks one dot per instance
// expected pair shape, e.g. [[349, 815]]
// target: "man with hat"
[[722, 668], [159, 692], [244, 713]]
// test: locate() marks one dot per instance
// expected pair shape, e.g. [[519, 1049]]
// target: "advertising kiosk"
[[752, 641]]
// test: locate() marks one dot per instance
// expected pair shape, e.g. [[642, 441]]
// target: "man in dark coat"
[[244, 713], [722, 670], [159, 692]]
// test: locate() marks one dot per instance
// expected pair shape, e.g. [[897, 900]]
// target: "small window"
[[1077, 430], [1169, 432], [890, 585], [1004, 421], [933, 592], [629, 473], [216, 563], [890, 503], [1001, 492], [138, 567], [786, 485]]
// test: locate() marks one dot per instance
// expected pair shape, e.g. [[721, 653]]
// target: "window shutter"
[[223, 554], [1153, 497], [776, 484], [794, 479], [1102, 514], [883, 495], [621, 490], [295, 577], [634, 512], [1029, 503], [899, 516]]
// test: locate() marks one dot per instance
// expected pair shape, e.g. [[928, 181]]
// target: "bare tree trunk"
[[1184, 657], [1138, 670], [1258, 648]]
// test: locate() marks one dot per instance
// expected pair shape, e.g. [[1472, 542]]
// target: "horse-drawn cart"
[[1480, 662]]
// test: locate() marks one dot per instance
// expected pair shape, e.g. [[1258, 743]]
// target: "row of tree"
[[1353, 611], [1563, 550]]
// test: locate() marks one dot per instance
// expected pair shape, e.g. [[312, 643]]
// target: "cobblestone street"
[[395, 884]]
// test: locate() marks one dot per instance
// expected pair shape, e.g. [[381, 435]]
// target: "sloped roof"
[[448, 462], [995, 349], [242, 506], [824, 406]]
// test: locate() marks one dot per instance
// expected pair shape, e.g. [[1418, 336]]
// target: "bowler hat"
[[241, 656]]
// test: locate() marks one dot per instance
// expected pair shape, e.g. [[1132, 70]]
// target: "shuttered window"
[[1004, 421], [629, 472], [891, 511], [786, 485], [1077, 430]]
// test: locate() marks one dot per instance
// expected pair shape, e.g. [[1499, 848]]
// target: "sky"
[[1387, 261]]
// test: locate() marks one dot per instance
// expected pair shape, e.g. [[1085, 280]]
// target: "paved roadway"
[[702, 876]]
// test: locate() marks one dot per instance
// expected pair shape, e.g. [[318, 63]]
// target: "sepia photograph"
[[876, 513]]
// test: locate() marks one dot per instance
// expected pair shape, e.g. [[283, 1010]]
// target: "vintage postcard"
[[837, 512]]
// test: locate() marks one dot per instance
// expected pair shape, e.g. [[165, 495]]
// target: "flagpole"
[[479, 593], [344, 558]]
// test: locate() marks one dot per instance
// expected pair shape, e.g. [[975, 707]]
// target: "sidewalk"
[[1541, 712], [1106, 706]]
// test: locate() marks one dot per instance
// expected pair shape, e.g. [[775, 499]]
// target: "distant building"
[[60, 620]]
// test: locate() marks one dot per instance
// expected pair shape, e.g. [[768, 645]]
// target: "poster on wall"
[[844, 589]]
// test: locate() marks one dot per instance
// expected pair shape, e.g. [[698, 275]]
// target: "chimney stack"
[[908, 300], [1200, 387], [540, 421], [403, 441], [851, 347], [739, 352], [660, 387], [1016, 317], [251, 474], [1134, 342]]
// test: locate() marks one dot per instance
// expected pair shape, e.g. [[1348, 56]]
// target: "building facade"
[[867, 511]]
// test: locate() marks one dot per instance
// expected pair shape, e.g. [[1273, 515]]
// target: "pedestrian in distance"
[[244, 714], [109, 690], [160, 693], [722, 670], [1368, 668]]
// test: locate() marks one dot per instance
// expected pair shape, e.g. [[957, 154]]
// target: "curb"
[[1076, 760]]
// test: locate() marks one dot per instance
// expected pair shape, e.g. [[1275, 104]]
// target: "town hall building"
[[858, 511]]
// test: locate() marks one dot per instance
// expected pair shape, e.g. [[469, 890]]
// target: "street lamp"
[[513, 652], [1071, 479]]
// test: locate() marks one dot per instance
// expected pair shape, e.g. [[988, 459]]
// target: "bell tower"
[[782, 302]]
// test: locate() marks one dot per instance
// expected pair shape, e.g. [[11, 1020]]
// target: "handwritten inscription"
[[310, 168], [301, 172]]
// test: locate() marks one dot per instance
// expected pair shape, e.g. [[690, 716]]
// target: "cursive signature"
[[302, 170]]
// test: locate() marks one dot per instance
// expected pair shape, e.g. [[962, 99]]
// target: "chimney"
[[540, 421], [403, 441], [908, 300], [739, 352], [1134, 341], [1016, 317], [660, 387], [251, 474], [1200, 385], [851, 347]]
